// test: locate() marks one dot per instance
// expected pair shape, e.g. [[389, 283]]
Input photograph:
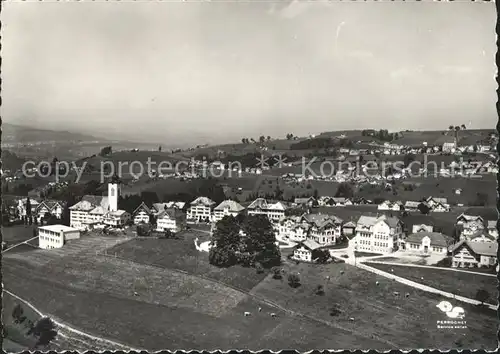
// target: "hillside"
[[18, 134]]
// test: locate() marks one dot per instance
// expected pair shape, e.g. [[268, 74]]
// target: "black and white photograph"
[[249, 175]]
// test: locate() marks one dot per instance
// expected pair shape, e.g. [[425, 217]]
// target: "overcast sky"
[[175, 71]]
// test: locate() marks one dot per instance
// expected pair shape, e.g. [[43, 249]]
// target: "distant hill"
[[13, 133]]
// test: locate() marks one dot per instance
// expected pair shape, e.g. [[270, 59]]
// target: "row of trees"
[[382, 134], [262, 139], [246, 240]]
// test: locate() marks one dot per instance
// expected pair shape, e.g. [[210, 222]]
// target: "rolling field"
[[459, 283], [158, 307], [182, 255], [406, 322], [96, 294], [18, 233]]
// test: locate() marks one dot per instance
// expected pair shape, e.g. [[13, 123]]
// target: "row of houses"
[[385, 234], [434, 204], [39, 209]]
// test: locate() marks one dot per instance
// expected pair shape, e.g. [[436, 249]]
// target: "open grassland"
[[455, 282], [157, 307], [18, 233], [172, 310], [407, 322], [182, 255], [17, 339]]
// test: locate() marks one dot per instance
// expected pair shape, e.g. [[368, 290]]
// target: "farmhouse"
[[411, 205], [348, 228], [52, 207], [480, 236], [309, 202], [324, 229], [449, 145], [466, 254], [378, 234], [388, 205], [172, 220], [304, 250], [201, 209], [428, 243], [274, 211], [470, 224], [116, 218], [142, 214], [293, 228], [227, 208], [55, 236]]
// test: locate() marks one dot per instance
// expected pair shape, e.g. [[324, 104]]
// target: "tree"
[[262, 138], [268, 138], [463, 127], [45, 330], [408, 158], [450, 127], [17, 312], [320, 290], [261, 240], [424, 208], [344, 190], [221, 257], [28, 210], [276, 273], [321, 256], [293, 280], [482, 199], [226, 234], [482, 295], [105, 151], [259, 268], [159, 148], [243, 140]]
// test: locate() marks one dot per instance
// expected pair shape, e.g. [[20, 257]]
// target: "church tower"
[[113, 194]]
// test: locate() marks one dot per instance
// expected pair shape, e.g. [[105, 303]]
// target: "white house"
[[116, 218], [293, 228], [93, 210], [274, 211], [492, 228], [324, 229], [227, 208], [421, 228], [411, 205], [90, 210], [141, 214], [385, 205], [172, 220], [304, 250], [201, 209], [428, 243], [466, 254], [55, 236], [470, 224], [378, 234]]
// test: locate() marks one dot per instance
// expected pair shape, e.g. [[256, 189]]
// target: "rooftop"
[[58, 228]]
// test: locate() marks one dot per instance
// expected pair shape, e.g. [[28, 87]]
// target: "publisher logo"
[[455, 316]]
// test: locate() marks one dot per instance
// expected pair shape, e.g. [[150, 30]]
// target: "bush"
[[277, 273], [445, 262], [320, 290], [294, 280], [221, 257], [259, 268]]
